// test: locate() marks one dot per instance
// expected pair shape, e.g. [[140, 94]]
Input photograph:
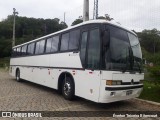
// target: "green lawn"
[[151, 90]]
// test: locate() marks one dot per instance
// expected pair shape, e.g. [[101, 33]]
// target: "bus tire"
[[18, 79], [68, 88]]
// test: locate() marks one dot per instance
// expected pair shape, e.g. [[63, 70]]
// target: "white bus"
[[96, 60]]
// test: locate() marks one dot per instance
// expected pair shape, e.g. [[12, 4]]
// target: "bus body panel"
[[105, 95], [65, 60], [38, 60], [128, 77], [44, 69], [87, 83], [61, 60], [43, 76]]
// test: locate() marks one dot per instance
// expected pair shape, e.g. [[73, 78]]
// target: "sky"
[[133, 14]]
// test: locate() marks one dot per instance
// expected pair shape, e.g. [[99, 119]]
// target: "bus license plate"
[[129, 92]]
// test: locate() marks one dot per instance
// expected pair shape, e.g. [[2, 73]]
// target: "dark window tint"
[[119, 44], [40, 47], [64, 42], [23, 51], [52, 44], [18, 51], [55, 43], [118, 33], [49, 45], [83, 47], [93, 50], [30, 50], [74, 39], [14, 51], [117, 56]]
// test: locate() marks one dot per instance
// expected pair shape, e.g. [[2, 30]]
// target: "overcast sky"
[[133, 14]]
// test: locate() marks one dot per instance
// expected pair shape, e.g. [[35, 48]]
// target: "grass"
[[151, 90], [149, 76]]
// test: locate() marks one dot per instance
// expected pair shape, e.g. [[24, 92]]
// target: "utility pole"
[[86, 10], [95, 10], [14, 21], [64, 17]]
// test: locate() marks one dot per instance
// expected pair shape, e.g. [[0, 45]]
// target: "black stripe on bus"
[[122, 88]]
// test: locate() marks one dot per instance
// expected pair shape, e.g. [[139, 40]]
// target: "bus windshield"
[[123, 52]]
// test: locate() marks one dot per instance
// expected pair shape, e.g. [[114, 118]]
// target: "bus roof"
[[81, 24]]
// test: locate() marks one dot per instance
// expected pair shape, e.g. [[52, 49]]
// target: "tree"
[[77, 21], [150, 40], [106, 17], [26, 29], [63, 25]]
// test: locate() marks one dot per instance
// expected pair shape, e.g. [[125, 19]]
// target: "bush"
[[4, 62], [154, 71], [155, 58], [151, 90]]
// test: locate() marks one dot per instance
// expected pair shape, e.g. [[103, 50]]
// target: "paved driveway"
[[26, 96]]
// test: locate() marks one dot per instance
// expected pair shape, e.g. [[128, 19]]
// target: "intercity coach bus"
[[97, 60]]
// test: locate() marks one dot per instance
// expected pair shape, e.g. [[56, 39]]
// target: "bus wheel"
[[68, 88], [18, 79]]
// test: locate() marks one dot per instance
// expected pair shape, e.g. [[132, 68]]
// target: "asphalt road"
[[27, 96]]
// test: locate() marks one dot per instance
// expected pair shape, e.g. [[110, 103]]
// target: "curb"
[[151, 102]]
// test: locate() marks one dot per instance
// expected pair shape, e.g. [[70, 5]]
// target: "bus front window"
[[123, 53], [137, 54]]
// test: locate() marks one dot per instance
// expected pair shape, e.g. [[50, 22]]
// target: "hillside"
[[26, 29]]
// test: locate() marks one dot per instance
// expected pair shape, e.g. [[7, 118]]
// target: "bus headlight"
[[108, 82], [113, 82]]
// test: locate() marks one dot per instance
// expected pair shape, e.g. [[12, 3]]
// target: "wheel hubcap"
[[67, 88]]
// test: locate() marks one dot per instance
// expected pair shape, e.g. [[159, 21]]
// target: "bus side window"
[[93, 59], [18, 51], [74, 39], [49, 45], [14, 52], [40, 47], [23, 50], [64, 42], [83, 47], [52, 44], [55, 42], [30, 50]]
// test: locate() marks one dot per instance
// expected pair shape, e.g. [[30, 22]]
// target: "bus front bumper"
[[118, 93]]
